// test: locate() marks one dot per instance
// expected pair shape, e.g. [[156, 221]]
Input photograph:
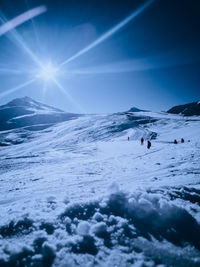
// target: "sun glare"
[[47, 72]]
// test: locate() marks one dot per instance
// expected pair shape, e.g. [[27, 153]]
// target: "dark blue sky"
[[152, 63]]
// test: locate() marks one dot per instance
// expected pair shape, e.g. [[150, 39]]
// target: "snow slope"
[[26, 112], [79, 193]]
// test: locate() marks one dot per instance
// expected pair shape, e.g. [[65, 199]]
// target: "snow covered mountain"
[[26, 112], [134, 109], [79, 193], [26, 115], [190, 109]]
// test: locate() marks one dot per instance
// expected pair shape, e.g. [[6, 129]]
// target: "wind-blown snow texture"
[[78, 193]]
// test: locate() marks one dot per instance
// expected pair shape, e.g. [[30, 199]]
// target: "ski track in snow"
[[80, 193]]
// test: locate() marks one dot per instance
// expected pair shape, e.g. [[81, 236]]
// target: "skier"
[[148, 144], [182, 140], [175, 142], [142, 141], [128, 138]]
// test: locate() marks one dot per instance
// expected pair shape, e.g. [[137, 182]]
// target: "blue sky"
[[153, 62]]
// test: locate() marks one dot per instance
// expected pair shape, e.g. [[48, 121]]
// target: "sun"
[[47, 72]]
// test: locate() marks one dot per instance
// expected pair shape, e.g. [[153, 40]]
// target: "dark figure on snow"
[[128, 138], [175, 142], [148, 144], [182, 140], [142, 141]]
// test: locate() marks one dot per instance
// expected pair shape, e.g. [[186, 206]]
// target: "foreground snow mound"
[[121, 229]]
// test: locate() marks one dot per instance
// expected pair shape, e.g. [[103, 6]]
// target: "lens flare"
[[12, 90], [109, 33], [47, 72], [11, 24], [14, 36], [69, 97], [11, 71]]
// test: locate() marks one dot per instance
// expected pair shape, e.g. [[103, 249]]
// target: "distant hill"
[[190, 109], [26, 112], [134, 109]]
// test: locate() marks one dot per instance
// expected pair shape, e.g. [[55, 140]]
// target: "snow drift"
[[55, 208], [145, 227]]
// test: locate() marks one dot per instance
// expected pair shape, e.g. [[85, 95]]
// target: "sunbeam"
[[109, 33], [68, 96], [33, 25], [47, 72], [13, 23], [44, 89], [37, 44], [13, 33], [11, 71], [12, 90], [159, 61]]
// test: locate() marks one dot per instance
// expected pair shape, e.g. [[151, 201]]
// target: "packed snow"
[[79, 193]]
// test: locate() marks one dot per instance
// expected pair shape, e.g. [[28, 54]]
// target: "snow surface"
[[80, 194]]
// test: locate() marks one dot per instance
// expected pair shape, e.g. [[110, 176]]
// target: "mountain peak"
[[23, 101], [134, 109], [28, 102], [26, 112]]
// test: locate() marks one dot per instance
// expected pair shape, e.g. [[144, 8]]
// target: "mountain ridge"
[[26, 112], [190, 109], [33, 115], [29, 102]]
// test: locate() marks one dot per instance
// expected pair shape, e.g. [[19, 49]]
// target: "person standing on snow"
[[142, 140], [148, 144]]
